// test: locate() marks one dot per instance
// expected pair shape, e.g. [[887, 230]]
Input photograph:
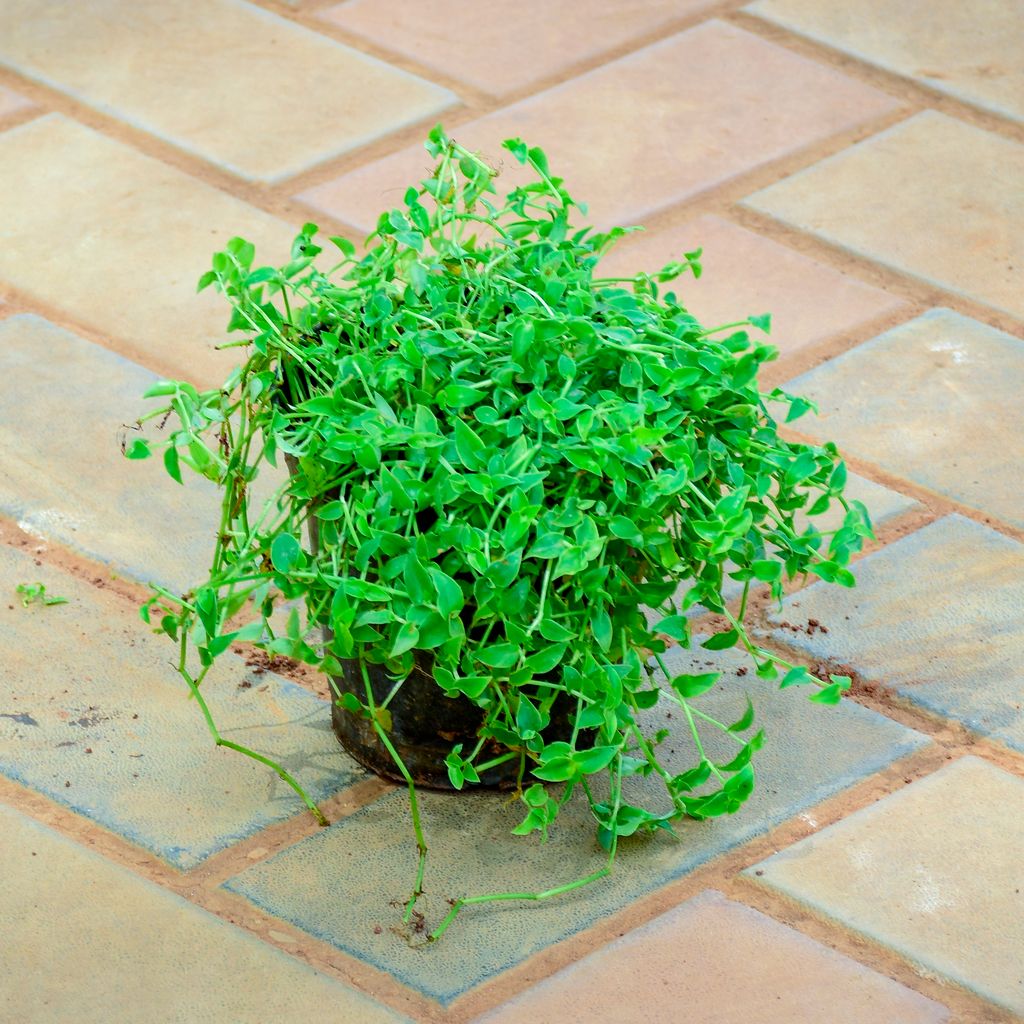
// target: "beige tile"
[[11, 102], [90, 942], [935, 617], [722, 962], [973, 51], [74, 486], [90, 675], [933, 197], [645, 131], [253, 92], [745, 273], [116, 240], [337, 884], [933, 871], [954, 422], [478, 43]]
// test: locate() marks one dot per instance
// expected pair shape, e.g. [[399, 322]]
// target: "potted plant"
[[501, 468]]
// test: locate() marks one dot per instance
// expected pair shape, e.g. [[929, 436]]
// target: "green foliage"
[[508, 460], [32, 592]]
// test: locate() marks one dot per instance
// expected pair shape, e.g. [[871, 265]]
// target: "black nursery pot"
[[425, 724]]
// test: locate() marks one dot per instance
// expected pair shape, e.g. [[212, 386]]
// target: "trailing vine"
[[510, 464]]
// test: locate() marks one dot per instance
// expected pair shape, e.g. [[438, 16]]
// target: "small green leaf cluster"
[[508, 464], [36, 592]]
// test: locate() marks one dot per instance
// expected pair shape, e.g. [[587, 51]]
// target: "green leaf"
[[330, 512], [745, 721], [171, 463], [469, 446], [675, 626], [450, 599], [405, 639], [721, 641], [625, 529], [285, 552], [688, 686], [798, 676], [830, 694], [499, 655], [595, 759], [138, 449], [550, 545]]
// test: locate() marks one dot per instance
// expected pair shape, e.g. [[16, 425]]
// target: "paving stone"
[[932, 197], [684, 122], [88, 941], [746, 274], [252, 92], [954, 423], [484, 52], [76, 676], [96, 230], [932, 871], [725, 963], [935, 615], [970, 51], [337, 885], [11, 102], [63, 475]]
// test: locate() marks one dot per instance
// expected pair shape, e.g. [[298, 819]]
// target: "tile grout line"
[[872, 74]]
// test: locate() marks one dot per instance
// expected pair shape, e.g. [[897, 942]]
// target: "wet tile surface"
[[970, 51], [491, 55], [936, 616], [224, 88], [73, 485], [685, 121], [747, 274], [79, 945], [932, 197], [932, 871], [955, 423], [94, 229], [337, 885], [88, 674], [725, 963]]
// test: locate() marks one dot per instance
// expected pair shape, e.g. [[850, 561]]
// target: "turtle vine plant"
[[511, 464]]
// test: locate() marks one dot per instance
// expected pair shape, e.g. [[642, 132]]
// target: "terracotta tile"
[[935, 616], [954, 424], [338, 884], [248, 90], [90, 674], [745, 273], [117, 241], [722, 962], [647, 130], [932, 871], [88, 941], [932, 197], [478, 43], [970, 51]]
